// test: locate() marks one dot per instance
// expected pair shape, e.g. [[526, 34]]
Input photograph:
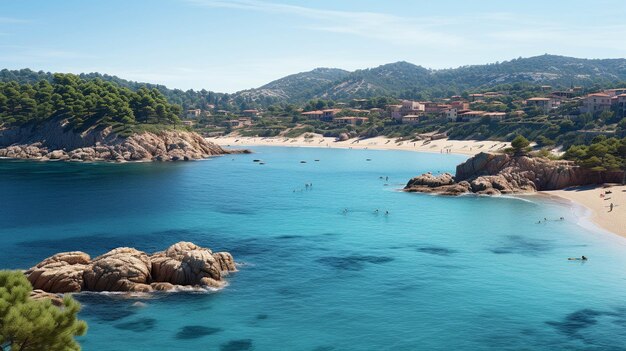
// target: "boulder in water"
[[126, 269]]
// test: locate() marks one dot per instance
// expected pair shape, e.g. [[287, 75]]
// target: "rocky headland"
[[52, 140], [493, 174], [182, 266]]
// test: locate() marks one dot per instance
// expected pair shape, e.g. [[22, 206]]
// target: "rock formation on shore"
[[52, 141], [492, 174], [126, 269]]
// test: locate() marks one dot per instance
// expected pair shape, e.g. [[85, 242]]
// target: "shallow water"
[[441, 273]]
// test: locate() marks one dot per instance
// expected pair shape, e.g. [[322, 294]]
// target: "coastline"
[[598, 207], [461, 147], [587, 196]]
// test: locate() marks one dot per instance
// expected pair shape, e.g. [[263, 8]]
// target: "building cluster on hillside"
[[467, 108], [459, 110]]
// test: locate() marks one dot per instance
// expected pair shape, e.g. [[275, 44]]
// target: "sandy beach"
[[464, 147], [590, 197]]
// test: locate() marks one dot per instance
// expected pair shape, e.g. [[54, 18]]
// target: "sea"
[[348, 263]]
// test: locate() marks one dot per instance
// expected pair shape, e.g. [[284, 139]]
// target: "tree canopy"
[[83, 103], [604, 154], [520, 144], [35, 325]]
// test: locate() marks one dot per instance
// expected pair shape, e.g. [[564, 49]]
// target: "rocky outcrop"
[[53, 141], [60, 273], [442, 184], [126, 269], [56, 299], [122, 269], [188, 264], [493, 174]]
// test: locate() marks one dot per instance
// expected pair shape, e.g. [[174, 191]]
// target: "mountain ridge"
[[399, 79]]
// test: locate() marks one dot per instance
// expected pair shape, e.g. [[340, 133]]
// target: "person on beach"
[[611, 207]]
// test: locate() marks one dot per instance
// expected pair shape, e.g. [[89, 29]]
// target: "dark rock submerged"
[[492, 174]]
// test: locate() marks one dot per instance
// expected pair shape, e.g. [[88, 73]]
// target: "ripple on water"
[[237, 345], [137, 325], [435, 250], [353, 262], [195, 332], [105, 308]]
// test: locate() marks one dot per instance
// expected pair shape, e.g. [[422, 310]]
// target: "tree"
[[34, 325], [520, 144], [544, 141]]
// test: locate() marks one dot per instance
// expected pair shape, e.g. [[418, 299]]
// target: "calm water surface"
[[438, 273]]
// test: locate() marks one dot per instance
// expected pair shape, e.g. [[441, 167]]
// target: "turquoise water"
[[437, 273]]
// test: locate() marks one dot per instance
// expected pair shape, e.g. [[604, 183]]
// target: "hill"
[[400, 79], [406, 80], [296, 87]]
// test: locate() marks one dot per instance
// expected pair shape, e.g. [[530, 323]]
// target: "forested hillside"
[[83, 103]]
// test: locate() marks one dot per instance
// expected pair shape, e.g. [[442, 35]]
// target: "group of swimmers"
[[307, 186], [546, 220], [582, 258], [376, 212]]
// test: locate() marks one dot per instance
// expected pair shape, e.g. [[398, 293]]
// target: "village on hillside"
[[485, 107]]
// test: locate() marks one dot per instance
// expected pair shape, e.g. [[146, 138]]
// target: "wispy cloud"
[[374, 25]]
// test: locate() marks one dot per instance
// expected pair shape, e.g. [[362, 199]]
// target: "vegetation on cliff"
[[604, 154], [85, 104]]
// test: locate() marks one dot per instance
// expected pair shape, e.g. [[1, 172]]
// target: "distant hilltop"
[[399, 79]]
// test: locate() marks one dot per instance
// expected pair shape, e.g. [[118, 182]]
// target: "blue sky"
[[229, 45]]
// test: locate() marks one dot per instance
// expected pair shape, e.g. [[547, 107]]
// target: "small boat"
[[369, 159], [302, 161], [256, 160], [317, 160], [261, 163]]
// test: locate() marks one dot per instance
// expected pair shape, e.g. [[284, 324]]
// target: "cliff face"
[[488, 173], [52, 141]]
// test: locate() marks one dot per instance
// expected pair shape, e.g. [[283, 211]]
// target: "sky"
[[231, 45]]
